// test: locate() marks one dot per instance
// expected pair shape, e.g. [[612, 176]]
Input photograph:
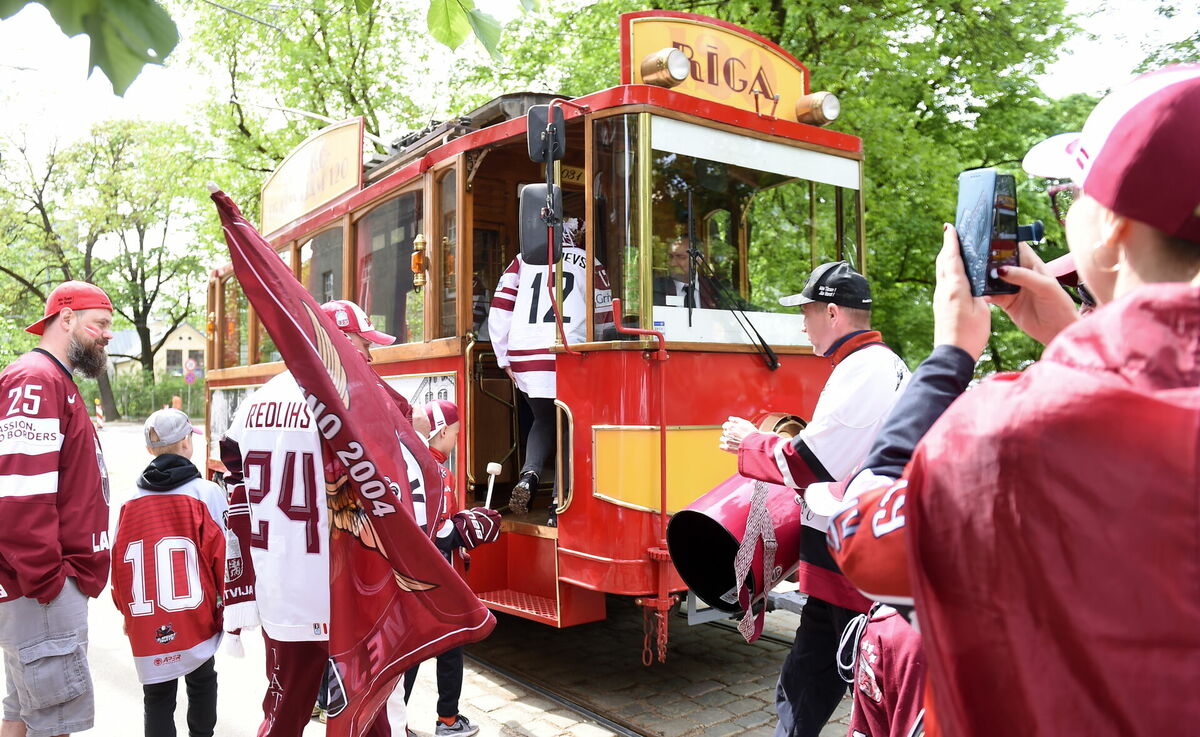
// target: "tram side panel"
[[612, 522]]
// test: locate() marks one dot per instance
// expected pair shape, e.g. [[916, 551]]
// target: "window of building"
[[174, 362]]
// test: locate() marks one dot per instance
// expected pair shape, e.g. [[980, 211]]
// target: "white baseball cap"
[[351, 319], [167, 427]]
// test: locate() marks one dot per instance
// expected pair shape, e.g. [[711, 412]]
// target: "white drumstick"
[[493, 470]]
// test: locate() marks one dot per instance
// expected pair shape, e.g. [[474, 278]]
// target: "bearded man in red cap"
[[54, 545]]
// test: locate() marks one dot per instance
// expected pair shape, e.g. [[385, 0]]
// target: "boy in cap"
[[54, 543], [866, 381], [167, 583], [460, 531]]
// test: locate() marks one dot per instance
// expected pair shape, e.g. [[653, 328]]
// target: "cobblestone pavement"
[[713, 684]]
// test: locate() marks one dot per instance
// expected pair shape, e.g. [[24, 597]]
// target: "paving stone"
[[724, 729], [676, 708], [587, 729], [703, 687], [676, 727], [560, 719], [712, 715], [487, 702], [747, 688], [754, 719], [542, 728], [719, 697]]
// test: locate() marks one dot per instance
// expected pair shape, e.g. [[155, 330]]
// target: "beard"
[[88, 361]]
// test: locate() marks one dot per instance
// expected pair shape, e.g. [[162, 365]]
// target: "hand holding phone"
[[986, 222]]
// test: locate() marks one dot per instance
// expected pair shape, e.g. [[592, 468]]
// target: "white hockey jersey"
[[280, 452], [521, 322]]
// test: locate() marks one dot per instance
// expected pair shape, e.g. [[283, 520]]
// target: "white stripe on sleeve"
[[15, 485], [781, 461]]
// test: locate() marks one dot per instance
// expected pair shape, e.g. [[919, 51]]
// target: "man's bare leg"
[[10, 728]]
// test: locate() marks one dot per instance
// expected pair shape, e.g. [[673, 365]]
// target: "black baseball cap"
[[835, 282]]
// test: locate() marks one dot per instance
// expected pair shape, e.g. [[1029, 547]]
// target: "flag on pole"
[[394, 600]]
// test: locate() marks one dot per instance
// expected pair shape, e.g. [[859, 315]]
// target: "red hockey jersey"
[[53, 484], [167, 578]]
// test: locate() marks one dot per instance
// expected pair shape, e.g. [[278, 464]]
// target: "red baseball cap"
[[78, 295], [441, 413], [1138, 153], [351, 319]]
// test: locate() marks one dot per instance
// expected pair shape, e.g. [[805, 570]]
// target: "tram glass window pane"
[[197, 357], [615, 213], [447, 256], [235, 325], [267, 350], [385, 238], [850, 244], [487, 266], [321, 265], [760, 211]]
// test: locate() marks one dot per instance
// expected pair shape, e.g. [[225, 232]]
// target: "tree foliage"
[[120, 209], [126, 35]]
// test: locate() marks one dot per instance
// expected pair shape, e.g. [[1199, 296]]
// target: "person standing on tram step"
[[54, 544], [284, 586], [522, 327], [174, 515], [455, 531], [867, 380]]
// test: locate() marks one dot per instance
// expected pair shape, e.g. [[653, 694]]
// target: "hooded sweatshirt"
[[169, 569]]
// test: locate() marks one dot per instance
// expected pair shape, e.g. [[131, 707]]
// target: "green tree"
[[120, 209], [126, 35]]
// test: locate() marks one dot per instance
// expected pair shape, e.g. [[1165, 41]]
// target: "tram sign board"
[[324, 166], [728, 64]]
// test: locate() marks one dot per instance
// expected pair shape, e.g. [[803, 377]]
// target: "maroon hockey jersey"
[[168, 573], [53, 484]]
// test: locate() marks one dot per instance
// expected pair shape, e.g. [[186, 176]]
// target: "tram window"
[[266, 350], [234, 326], [760, 215], [615, 210], [448, 250], [321, 265], [488, 265], [384, 246]]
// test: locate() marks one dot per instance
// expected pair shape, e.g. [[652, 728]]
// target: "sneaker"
[[552, 518], [522, 492], [462, 727]]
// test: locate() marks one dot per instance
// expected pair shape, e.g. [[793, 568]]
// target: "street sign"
[[189, 365], [190, 377]]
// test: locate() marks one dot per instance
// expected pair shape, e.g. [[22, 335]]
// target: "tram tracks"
[[609, 721]]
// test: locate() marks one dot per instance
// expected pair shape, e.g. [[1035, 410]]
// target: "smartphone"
[[986, 221]]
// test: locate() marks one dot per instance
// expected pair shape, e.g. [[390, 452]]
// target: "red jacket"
[[1051, 526], [53, 484]]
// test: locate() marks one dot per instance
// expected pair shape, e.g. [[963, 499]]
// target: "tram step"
[[529, 606]]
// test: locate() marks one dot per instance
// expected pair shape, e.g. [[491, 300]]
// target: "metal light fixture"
[[665, 68], [818, 108]]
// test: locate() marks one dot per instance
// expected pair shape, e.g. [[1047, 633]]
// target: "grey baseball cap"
[[167, 427], [835, 282]]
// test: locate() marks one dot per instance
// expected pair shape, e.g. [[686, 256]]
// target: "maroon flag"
[[394, 599]]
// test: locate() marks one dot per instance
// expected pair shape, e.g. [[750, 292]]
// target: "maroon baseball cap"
[[1138, 154], [78, 295], [351, 319], [440, 413]]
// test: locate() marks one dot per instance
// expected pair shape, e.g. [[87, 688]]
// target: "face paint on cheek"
[[92, 331]]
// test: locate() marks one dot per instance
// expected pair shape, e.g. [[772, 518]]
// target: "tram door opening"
[[499, 416]]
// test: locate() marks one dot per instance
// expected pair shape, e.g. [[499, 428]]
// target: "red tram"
[[713, 131]]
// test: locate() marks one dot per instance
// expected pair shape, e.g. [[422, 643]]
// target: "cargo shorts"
[[49, 686]]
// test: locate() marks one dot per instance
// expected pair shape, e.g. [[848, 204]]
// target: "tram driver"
[[523, 328]]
